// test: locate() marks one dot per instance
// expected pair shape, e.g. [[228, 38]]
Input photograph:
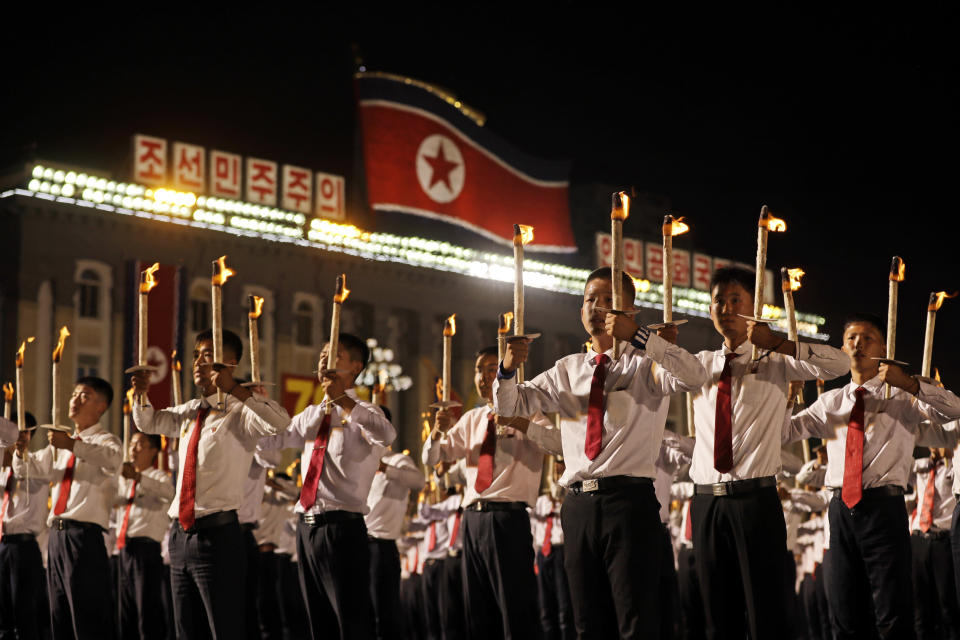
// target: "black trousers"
[[612, 546], [869, 570], [411, 605], [268, 602], [141, 579], [934, 590], [252, 582], [669, 589], [499, 588], [821, 578], [78, 577], [334, 576], [451, 599], [740, 541], [295, 626], [556, 615], [385, 587], [811, 608], [431, 584], [208, 570], [691, 603], [21, 568], [166, 600]]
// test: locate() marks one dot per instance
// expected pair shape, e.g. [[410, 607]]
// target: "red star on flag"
[[441, 167]]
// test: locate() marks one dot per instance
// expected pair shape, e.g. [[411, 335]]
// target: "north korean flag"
[[424, 155]]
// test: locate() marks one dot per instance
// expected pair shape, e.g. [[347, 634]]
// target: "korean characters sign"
[[262, 183], [225, 175], [149, 160], [330, 198], [189, 167], [632, 254], [297, 188]]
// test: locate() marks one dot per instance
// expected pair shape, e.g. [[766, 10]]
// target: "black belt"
[[249, 526], [16, 538], [885, 491], [735, 487], [490, 505], [931, 535], [218, 519], [328, 517], [62, 523], [595, 485]]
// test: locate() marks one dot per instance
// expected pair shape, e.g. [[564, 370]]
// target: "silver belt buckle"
[[720, 489], [591, 485]]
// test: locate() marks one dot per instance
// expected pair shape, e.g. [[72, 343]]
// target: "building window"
[[303, 325], [87, 365], [89, 294]]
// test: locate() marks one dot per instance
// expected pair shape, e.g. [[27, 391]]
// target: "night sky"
[[846, 126]]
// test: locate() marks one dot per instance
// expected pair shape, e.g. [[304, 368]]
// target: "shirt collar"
[[872, 386], [89, 431], [743, 348]]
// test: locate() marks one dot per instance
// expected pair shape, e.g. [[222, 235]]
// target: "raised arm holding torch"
[[341, 294], [175, 378], [790, 282], [619, 211], [897, 269], [57, 355], [936, 299], [221, 272], [253, 317], [768, 222], [503, 330], [147, 282], [21, 407], [522, 235], [127, 409], [671, 227]]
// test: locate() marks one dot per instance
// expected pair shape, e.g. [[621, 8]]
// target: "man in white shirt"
[[208, 565], [341, 455], [613, 420], [870, 441], [144, 498], [738, 527], [23, 516], [84, 470]]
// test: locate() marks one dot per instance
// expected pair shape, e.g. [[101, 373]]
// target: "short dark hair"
[[153, 438], [101, 386], [29, 419], [356, 347], [746, 278], [606, 273], [386, 413], [487, 351], [866, 318], [231, 341]]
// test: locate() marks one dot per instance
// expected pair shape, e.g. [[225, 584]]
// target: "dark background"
[[845, 125]]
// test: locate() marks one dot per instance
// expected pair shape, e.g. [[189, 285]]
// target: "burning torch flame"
[[506, 320], [8, 391], [222, 272], [791, 278], [176, 363], [936, 299], [147, 281], [450, 326], [58, 351], [674, 226], [897, 269], [770, 221], [128, 403], [256, 307], [522, 233], [23, 347], [425, 432], [342, 292], [439, 390], [936, 376], [621, 206]]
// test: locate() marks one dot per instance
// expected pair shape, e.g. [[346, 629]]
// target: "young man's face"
[[349, 367], [727, 302], [86, 405], [485, 374], [598, 293], [862, 342], [142, 451]]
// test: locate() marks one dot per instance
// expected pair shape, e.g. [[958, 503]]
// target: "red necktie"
[[432, 544], [688, 530], [122, 536], [929, 494], [188, 487], [487, 450], [547, 545], [65, 484], [852, 490], [7, 492], [416, 560], [308, 494], [594, 439], [456, 529], [723, 425]]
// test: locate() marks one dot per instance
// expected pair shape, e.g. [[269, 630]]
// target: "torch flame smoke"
[[173, 359], [58, 350], [791, 278], [674, 226], [256, 307], [128, 402], [506, 320], [621, 206], [770, 221], [937, 298], [8, 391], [222, 272], [147, 281], [23, 347], [342, 292], [897, 269], [450, 326], [522, 233]]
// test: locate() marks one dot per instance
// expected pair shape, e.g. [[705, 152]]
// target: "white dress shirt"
[[225, 449], [636, 402], [437, 518], [354, 447], [27, 509], [517, 461], [93, 488], [148, 515], [759, 402], [9, 432], [387, 500], [668, 464], [251, 505], [544, 510], [273, 518], [943, 498], [891, 429]]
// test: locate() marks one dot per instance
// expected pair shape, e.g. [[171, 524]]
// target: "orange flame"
[[674, 226], [256, 307], [522, 234], [23, 347], [58, 350], [936, 376], [147, 281], [176, 363], [770, 222], [128, 402], [506, 319], [221, 272], [897, 269], [342, 292], [450, 326], [8, 391], [588, 345], [621, 206], [439, 391], [790, 278], [937, 298]]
